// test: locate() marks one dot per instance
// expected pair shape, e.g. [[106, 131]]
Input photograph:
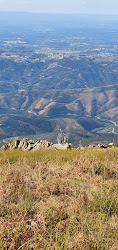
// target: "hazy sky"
[[62, 6]]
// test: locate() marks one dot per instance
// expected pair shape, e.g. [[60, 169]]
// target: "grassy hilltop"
[[59, 199]]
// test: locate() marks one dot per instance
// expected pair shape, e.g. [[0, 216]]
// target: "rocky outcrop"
[[92, 146], [65, 146], [102, 146], [27, 145], [30, 145]]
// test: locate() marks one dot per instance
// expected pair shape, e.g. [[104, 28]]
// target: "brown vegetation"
[[83, 101], [59, 200], [42, 103], [46, 108]]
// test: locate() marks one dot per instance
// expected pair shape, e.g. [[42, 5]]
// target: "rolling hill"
[[82, 112]]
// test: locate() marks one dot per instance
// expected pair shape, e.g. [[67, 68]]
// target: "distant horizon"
[[82, 7], [68, 19], [58, 13]]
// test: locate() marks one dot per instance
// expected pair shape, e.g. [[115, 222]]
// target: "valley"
[[85, 113], [56, 75]]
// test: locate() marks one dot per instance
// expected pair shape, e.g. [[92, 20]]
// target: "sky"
[[105, 7]]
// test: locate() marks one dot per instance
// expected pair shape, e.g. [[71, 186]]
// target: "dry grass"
[[59, 200]]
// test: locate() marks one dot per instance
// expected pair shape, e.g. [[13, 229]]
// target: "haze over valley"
[[59, 71]]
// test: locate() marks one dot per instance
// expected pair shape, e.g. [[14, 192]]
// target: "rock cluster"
[[64, 146], [102, 146], [92, 146], [97, 146], [27, 145]]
